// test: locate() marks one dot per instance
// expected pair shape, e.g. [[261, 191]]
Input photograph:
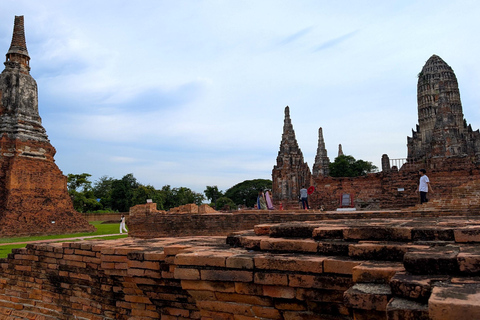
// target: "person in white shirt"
[[424, 186], [304, 197]]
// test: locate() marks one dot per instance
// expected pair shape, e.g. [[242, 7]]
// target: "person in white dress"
[[122, 224]]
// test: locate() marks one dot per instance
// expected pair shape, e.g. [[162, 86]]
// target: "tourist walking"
[[424, 186], [122, 224], [304, 197]]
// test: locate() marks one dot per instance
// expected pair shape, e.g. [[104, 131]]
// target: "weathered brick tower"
[[442, 132], [291, 172], [33, 191], [320, 167]]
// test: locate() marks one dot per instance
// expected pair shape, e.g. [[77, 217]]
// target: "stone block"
[[271, 278], [292, 230], [403, 309], [414, 287], [240, 261], [324, 281], [288, 245], [467, 234], [203, 258], [469, 262], [340, 265], [220, 286], [262, 229], [279, 292], [376, 272], [290, 262], [434, 261], [368, 296], [454, 302], [383, 251], [333, 247], [227, 275], [328, 232]]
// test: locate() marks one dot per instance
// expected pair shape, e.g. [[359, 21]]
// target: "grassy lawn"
[[109, 228]]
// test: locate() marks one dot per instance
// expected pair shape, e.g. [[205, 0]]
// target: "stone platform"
[[410, 268]]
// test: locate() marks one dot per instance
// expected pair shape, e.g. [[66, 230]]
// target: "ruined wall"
[[182, 225], [392, 190], [384, 269]]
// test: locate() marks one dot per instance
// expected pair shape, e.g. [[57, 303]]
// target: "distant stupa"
[[291, 172]]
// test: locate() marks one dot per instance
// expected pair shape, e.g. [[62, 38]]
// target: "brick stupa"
[[291, 172], [442, 131], [33, 191]]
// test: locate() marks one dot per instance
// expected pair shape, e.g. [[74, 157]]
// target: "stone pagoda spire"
[[442, 131], [33, 191], [19, 117], [320, 167], [17, 55], [291, 172], [340, 151]]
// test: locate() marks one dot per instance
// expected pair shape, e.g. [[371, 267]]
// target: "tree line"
[[118, 195]]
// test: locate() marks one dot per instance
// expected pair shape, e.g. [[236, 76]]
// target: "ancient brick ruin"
[[291, 172], [443, 143], [417, 263], [409, 268], [33, 191]]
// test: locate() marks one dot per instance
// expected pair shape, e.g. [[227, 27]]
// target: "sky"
[[192, 93]]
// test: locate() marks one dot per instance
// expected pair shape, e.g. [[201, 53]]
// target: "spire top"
[[18, 52]]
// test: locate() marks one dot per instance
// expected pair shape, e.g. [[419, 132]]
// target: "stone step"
[[415, 287], [366, 296], [454, 301], [435, 260], [402, 309]]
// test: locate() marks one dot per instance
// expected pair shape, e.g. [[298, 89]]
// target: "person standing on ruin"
[[268, 199], [122, 225], [261, 203], [304, 197], [424, 185]]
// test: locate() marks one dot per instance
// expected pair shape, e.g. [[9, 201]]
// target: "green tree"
[[212, 193], [179, 196], [246, 192], [142, 193], [102, 189], [81, 192], [224, 203], [122, 193], [347, 166]]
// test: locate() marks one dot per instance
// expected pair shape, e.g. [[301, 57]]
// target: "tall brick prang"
[[442, 131], [291, 172], [320, 167], [33, 191]]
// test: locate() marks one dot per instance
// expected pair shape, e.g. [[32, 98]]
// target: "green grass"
[[109, 228]]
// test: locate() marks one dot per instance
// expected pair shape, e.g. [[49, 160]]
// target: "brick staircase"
[[372, 268], [421, 268]]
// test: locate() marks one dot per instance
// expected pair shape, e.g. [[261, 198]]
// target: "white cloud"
[[192, 93]]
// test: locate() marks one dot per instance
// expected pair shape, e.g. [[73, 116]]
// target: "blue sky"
[[192, 93]]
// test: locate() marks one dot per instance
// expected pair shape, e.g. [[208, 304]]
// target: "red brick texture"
[[418, 270]]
